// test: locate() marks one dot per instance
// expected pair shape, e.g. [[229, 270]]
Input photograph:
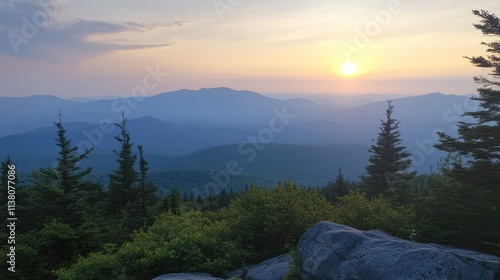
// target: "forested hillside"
[[66, 221]]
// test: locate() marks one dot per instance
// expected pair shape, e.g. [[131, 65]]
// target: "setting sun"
[[349, 68]]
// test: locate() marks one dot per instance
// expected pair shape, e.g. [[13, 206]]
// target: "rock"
[[272, 269], [333, 251], [186, 276], [239, 273]]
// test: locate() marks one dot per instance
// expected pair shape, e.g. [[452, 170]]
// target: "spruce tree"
[[123, 179], [479, 140], [172, 202], [66, 176], [389, 160], [143, 168], [478, 143], [67, 170], [335, 189], [341, 184], [147, 189]]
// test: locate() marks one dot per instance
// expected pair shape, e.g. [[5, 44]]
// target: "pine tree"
[[67, 177], [143, 168], [341, 184], [122, 180], [389, 160], [67, 170], [478, 143], [479, 140], [147, 189], [172, 202], [335, 189]]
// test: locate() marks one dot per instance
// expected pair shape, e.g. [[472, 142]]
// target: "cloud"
[[39, 30]]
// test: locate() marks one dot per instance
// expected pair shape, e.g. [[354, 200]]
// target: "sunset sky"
[[76, 48]]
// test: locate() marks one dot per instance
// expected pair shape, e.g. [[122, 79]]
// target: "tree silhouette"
[[122, 180], [478, 144], [388, 161], [67, 170]]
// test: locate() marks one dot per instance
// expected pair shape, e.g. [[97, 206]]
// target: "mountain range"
[[204, 129]]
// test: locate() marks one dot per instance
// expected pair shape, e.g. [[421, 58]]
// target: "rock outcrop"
[[333, 251], [186, 276], [272, 269]]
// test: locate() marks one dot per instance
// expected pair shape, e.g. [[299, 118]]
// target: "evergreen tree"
[[172, 202], [479, 140], [389, 160], [67, 170], [122, 180], [341, 184], [335, 189], [67, 177], [147, 189], [143, 168], [478, 143]]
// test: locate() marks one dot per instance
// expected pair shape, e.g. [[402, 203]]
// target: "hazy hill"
[[157, 135], [22, 114], [174, 126], [219, 106], [308, 165]]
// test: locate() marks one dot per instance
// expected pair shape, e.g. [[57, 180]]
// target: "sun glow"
[[349, 68]]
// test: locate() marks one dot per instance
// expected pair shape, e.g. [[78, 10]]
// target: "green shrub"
[[269, 221], [295, 266], [358, 211], [98, 266], [187, 243]]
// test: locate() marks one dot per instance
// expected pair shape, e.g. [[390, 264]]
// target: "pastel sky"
[[90, 48]]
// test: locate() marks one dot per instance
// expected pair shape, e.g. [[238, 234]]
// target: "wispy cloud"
[[38, 30]]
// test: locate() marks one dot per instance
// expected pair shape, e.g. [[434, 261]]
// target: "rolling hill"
[[202, 130]]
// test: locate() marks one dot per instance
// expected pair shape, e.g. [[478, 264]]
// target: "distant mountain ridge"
[[219, 106], [180, 123]]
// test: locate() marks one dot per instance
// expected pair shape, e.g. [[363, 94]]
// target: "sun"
[[349, 68]]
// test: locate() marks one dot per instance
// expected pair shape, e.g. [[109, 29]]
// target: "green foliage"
[[335, 189], [457, 213], [358, 211], [295, 267], [490, 26], [67, 170], [266, 221], [38, 252], [98, 266], [185, 243], [259, 224], [122, 180], [172, 202], [131, 196], [147, 190], [469, 190], [40, 204], [388, 162], [215, 202]]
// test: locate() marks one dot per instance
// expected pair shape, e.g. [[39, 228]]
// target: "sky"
[[77, 48]]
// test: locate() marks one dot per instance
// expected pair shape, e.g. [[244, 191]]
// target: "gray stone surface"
[[272, 269], [333, 251], [186, 276]]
